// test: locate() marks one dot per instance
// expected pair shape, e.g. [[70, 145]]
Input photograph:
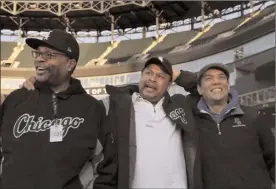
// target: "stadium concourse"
[[115, 38]]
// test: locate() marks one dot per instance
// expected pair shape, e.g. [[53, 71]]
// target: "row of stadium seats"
[[128, 48]]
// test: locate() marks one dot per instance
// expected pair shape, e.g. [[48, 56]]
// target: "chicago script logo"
[[178, 113], [25, 123]]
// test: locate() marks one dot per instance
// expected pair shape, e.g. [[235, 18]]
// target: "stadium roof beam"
[[158, 17], [20, 22], [67, 23], [60, 8], [111, 19], [203, 3]]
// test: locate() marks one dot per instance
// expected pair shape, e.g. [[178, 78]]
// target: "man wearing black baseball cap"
[[55, 58], [145, 124], [163, 63], [49, 133], [237, 147], [151, 89]]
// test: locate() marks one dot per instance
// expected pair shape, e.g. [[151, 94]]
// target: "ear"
[[199, 90], [72, 63]]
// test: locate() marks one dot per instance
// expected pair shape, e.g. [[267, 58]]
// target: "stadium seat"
[[217, 29], [90, 51], [25, 57], [128, 48], [257, 18], [6, 49], [172, 40]]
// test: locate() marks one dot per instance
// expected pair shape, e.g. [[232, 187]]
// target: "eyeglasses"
[[45, 55]]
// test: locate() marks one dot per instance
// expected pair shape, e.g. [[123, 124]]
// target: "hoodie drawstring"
[[55, 106]]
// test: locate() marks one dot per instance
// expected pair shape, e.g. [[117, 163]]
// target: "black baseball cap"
[[217, 66], [166, 66], [58, 40]]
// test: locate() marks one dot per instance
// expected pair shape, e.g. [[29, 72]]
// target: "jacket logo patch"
[[25, 124], [238, 123], [178, 113]]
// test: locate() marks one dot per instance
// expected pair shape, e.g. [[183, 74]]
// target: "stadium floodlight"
[[60, 8]]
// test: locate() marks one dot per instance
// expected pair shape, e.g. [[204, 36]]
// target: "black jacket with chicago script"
[[119, 144], [29, 159]]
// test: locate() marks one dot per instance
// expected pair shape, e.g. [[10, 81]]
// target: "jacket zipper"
[[218, 126]]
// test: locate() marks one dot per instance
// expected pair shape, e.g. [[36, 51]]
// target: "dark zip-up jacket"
[[29, 159], [119, 145], [238, 152]]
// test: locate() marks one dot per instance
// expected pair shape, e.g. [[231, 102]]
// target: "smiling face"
[[153, 83], [214, 86], [53, 67]]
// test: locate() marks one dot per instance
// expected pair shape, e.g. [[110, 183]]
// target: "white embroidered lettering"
[[25, 123], [178, 113]]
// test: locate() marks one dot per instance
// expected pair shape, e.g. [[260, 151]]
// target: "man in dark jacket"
[[237, 147], [149, 139], [49, 133]]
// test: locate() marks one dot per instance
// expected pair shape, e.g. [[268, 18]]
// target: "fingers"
[[32, 79], [29, 83]]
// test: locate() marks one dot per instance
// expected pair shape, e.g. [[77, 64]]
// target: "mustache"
[[150, 84]]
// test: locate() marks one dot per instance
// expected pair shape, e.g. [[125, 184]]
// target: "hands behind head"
[[29, 83]]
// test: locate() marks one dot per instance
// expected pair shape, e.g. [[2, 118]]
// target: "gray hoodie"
[[217, 117]]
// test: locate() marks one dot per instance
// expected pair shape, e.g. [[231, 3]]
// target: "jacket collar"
[[172, 108], [75, 87], [233, 106]]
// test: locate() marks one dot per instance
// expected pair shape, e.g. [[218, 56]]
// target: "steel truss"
[[60, 8]]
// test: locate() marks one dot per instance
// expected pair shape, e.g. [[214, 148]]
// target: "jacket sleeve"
[[188, 80], [2, 109], [267, 143], [106, 165], [88, 173], [8, 102]]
